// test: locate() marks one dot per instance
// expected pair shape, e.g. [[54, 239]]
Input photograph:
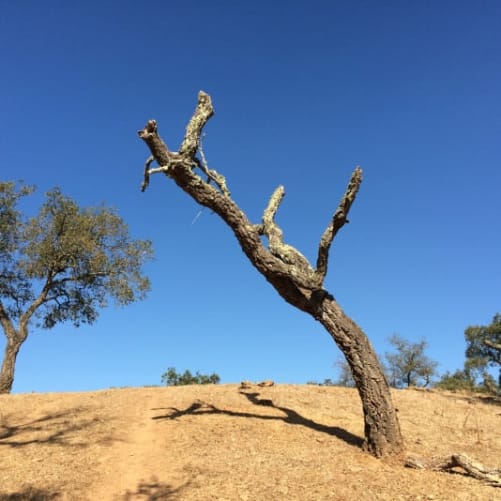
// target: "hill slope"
[[220, 442]]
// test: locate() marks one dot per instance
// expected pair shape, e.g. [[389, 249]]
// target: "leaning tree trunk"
[[382, 431], [290, 273]]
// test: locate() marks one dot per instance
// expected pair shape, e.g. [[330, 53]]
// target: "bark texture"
[[283, 266], [8, 365], [15, 338]]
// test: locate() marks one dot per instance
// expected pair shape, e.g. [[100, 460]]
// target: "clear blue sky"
[[303, 92]]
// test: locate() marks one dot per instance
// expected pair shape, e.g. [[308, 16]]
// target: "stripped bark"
[[284, 267]]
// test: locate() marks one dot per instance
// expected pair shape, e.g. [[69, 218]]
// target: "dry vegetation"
[[221, 442]]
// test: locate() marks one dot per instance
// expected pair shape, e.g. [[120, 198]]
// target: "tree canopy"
[[409, 365], [63, 264], [173, 378], [484, 346]]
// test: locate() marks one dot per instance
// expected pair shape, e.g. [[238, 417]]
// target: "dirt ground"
[[222, 443]]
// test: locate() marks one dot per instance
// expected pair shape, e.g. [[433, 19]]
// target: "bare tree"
[[284, 267]]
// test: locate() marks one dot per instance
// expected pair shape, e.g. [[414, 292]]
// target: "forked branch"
[[286, 253], [186, 156], [211, 174], [180, 165]]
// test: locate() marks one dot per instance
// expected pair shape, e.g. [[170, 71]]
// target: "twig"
[[201, 151], [146, 178], [195, 219], [211, 174]]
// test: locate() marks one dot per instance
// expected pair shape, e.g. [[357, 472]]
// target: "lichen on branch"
[[286, 253], [203, 112], [186, 156], [339, 219]]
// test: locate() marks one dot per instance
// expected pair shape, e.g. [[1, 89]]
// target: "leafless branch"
[[213, 175], [203, 112], [286, 253], [158, 148], [201, 151], [279, 262], [146, 178], [447, 463], [339, 219], [180, 169]]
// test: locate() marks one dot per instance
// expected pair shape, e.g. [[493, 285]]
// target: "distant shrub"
[[326, 382], [173, 378], [463, 380], [457, 381]]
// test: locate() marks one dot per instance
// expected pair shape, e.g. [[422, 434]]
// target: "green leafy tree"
[[465, 380], [409, 366], [62, 264], [460, 380], [173, 378], [484, 347]]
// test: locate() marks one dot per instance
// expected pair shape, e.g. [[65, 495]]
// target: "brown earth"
[[222, 443]]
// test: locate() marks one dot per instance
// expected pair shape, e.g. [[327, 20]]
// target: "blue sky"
[[303, 92]]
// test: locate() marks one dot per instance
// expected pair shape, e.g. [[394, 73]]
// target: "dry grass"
[[219, 443]]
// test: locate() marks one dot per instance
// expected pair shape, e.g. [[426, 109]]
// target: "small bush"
[[457, 381], [462, 380], [173, 378]]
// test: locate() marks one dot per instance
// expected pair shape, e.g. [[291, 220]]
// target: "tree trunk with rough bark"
[[12, 347], [382, 430], [290, 273]]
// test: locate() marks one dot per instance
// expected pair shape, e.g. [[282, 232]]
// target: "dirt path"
[[137, 466]]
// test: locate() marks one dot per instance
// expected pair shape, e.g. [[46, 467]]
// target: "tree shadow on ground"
[[154, 490], [290, 417], [30, 494], [52, 429]]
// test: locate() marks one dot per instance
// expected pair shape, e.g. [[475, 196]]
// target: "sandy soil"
[[222, 443]]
